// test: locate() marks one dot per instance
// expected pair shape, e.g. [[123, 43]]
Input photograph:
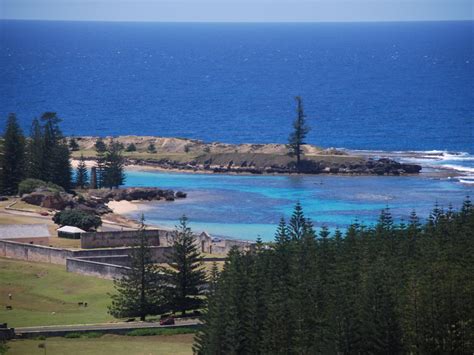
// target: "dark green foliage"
[[82, 177], [73, 146], [388, 289], [131, 148], [3, 347], [72, 335], [163, 331], [113, 174], [88, 335], [110, 164], [77, 218], [56, 154], [186, 277], [151, 148], [100, 149], [301, 129], [12, 158], [36, 167], [29, 185], [100, 146], [93, 179], [48, 155], [141, 291]]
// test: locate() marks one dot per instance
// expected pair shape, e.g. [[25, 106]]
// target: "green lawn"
[[45, 294], [107, 344]]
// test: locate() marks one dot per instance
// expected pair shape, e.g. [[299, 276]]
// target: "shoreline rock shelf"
[[95, 201], [383, 166]]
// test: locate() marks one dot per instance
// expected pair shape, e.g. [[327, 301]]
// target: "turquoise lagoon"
[[248, 207]]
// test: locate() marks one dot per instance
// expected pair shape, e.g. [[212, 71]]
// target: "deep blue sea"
[[391, 86], [368, 86]]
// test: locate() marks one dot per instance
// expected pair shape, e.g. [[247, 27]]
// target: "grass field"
[[105, 345], [45, 294]]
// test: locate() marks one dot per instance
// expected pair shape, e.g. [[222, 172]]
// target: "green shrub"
[[160, 331], [29, 185], [77, 218], [72, 335], [131, 148], [41, 337], [151, 148], [73, 146], [3, 347]]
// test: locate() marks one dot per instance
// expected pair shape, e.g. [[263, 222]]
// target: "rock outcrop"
[[286, 165], [95, 201], [49, 199]]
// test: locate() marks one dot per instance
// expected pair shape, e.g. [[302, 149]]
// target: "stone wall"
[[39, 253], [122, 260], [223, 246], [115, 239], [158, 254], [31, 252], [94, 268]]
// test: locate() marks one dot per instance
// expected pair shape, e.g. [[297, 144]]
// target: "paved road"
[[102, 327]]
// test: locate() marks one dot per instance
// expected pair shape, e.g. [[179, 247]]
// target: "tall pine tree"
[[82, 177], [300, 130], [140, 292], [113, 171], [12, 160], [56, 154], [186, 276], [100, 149], [36, 165]]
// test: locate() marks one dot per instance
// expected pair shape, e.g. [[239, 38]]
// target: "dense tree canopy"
[[110, 164], [44, 156], [77, 218], [387, 289]]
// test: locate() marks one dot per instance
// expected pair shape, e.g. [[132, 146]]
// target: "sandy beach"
[[122, 207]]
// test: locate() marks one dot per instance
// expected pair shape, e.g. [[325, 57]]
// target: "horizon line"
[[238, 22]]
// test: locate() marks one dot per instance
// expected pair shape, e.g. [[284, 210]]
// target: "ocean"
[[388, 87]]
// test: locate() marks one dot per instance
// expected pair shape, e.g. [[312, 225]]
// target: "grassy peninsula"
[[198, 156]]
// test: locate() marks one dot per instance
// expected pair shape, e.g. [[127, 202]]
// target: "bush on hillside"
[[131, 148], [77, 218], [29, 185], [151, 148]]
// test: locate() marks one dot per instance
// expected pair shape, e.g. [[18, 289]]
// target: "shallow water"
[[250, 206]]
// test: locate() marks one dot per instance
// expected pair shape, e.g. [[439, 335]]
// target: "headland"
[[190, 155]]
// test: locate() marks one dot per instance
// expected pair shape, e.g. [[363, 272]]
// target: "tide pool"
[[248, 207]]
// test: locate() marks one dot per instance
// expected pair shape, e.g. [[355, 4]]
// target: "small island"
[[190, 155]]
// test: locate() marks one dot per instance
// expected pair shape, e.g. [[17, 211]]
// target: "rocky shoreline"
[[95, 201], [382, 166]]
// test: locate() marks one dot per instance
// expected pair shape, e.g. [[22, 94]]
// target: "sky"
[[238, 10]]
